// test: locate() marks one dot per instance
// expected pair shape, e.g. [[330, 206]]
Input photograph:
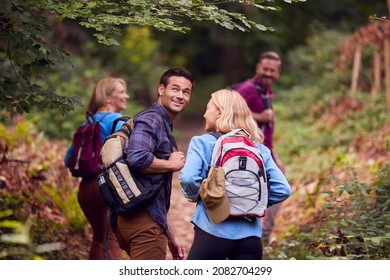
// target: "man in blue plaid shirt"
[[146, 234]]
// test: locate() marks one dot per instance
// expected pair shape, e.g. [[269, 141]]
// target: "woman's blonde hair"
[[102, 92], [235, 113]]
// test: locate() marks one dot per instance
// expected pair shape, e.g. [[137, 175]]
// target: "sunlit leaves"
[[26, 56], [106, 16]]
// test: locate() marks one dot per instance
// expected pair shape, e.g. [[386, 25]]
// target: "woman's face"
[[211, 115], [117, 100]]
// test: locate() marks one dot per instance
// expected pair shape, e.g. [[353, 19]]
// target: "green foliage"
[[362, 232], [78, 79], [25, 58], [139, 59], [107, 16], [42, 198], [302, 125], [16, 239], [354, 224], [371, 117], [11, 138], [68, 205], [27, 55], [314, 63]]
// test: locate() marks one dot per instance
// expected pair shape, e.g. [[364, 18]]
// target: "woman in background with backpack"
[[232, 238], [108, 100]]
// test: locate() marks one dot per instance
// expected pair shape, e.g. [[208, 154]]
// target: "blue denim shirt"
[[195, 170], [150, 139]]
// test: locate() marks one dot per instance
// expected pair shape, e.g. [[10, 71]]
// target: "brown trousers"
[[141, 237], [95, 211]]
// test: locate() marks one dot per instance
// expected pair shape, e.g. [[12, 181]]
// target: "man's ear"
[[161, 89]]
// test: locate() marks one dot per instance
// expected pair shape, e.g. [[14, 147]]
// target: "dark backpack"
[[119, 188], [85, 159], [246, 179]]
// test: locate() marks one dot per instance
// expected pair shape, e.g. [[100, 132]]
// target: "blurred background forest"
[[332, 137]]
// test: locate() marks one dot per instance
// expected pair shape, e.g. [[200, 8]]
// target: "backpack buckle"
[[242, 163]]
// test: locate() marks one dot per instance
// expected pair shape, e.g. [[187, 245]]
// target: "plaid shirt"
[[150, 139]]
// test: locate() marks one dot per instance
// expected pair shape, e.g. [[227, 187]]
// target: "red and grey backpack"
[[247, 183]]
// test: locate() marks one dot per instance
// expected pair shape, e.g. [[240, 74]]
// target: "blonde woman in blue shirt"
[[235, 239]]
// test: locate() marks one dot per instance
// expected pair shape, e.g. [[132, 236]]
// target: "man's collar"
[[163, 113]]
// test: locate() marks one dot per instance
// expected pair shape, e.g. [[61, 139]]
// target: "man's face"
[[175, 96], [268, 70]]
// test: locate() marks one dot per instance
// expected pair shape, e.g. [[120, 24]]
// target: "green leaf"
[[10, 224], [5, 213], [331, 224]]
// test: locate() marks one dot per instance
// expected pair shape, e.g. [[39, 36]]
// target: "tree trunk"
[[356, 69], [376, 87]]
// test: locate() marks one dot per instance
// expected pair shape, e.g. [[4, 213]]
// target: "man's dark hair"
[[177, 72]]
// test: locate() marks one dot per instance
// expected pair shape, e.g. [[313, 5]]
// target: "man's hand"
[[174, 163], [177, 249], [177, 160], [175, 246], [267, 115]]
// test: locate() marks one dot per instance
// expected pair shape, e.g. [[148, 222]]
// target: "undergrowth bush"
[[17, 242], [354, 223], [358, 221], [39, 212]]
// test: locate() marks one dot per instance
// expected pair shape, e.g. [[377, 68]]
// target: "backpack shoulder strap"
[[217, 134], [263, 95], [235, 86], [172, 139], [217, 147], [122, 118], [90, 117]]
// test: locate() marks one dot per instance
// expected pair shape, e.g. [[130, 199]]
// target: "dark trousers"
[[210, 247]]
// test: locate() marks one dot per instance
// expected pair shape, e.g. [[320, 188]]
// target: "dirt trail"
[[181, 210]]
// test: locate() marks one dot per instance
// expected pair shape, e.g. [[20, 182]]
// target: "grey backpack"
[[247, 183]]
